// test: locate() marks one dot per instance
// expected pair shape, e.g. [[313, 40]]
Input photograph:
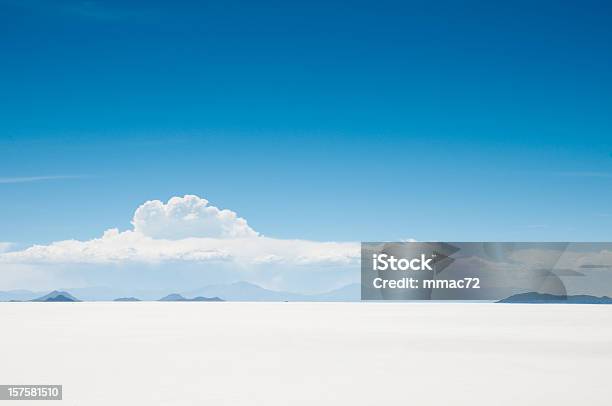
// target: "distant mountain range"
[[175, 297], [534, 297], [18, 295], [348, 293], [239, 291], [245, 291]]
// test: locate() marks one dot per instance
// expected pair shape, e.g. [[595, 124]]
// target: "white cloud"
[[5, 246], [187, 229], [186, 217]]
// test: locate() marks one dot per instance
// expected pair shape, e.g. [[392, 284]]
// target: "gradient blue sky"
[[315, 120]]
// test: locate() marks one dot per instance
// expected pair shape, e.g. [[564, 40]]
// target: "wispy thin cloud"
[[26, 179]]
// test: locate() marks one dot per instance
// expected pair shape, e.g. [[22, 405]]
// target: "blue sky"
[[315, 120]]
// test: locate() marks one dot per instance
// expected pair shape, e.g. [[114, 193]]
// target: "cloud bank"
[[188, 229]]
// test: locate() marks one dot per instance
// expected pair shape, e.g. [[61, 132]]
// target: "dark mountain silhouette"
[[534, 297], [205, 299], [57, 296], [60, 298], [126, 299], [175, 297]]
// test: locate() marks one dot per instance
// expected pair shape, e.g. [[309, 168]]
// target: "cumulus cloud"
[[188, 217], [188, 229]]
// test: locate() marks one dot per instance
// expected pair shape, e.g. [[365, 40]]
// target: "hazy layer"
[[310, 353]]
